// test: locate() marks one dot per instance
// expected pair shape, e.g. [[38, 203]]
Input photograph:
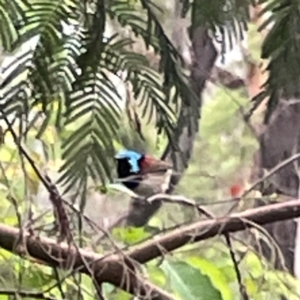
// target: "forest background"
[[212, 87]]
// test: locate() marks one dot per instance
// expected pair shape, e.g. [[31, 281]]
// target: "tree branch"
[[120, 271], [115, 269], [203, 230]]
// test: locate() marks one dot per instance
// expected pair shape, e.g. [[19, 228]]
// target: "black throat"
[[124, 170]]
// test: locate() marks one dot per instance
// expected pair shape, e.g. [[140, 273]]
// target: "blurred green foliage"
[[223, 149]]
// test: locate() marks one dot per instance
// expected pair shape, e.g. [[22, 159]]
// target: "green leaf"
[[110, 292], [130, 235], [35, 276], [188, 282], [254, 264], [156, 274], [217, 278]]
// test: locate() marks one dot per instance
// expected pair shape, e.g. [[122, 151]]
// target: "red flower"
[[236, 190]]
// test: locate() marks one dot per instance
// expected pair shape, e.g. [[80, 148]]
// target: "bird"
[[143, 174]]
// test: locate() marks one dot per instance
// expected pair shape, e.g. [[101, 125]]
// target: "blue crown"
[[132, 156]]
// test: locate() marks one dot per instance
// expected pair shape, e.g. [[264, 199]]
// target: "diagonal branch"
[[112, 268], [121, 272], [203, 230], [59, 210]]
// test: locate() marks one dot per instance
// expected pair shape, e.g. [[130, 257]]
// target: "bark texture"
[[279, 141]]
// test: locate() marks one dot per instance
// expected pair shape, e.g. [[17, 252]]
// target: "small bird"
[[143, 174]]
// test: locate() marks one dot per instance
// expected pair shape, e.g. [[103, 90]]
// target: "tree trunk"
[[279, 141]]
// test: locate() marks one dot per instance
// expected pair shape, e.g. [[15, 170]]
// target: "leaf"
[[189, 282], [251, 286], [217, 278], [130, 235], [35, 275], [254, 264], [107, 289], [17, 187], [33, 178], [156, 275], [10, 221], [7, 153], [5, 255], [50, 135], [86, 284], [156, 222], [282, 284]]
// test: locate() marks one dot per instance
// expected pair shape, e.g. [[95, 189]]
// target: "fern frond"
[[95, 114], [45, 20], [15, 87], [282, 47], [72, 71], [146, 25], [224, 18], [11, 17], [146, 86]]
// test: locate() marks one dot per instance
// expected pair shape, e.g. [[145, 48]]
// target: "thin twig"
[[242, 287], [58, 282], [272, 172], [180, 200], [14, 202], [59, 210], [264, 178]]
